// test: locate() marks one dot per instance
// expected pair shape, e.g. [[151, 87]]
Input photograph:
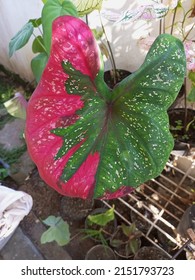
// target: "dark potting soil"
[[182, 125]]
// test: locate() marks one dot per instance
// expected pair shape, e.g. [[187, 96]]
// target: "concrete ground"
[[20, 247]]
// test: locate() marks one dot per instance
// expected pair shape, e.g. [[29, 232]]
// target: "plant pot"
[[100, 252], [150, 253], [187, 221], [121, 244], [106, 230], [75, 209], [182, 126], [120, 75], [166, 243]]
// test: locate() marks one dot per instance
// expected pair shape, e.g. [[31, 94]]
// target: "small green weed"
[[13, 155]]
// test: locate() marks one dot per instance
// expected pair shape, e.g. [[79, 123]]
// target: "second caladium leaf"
[[88, 140], [85, 7]]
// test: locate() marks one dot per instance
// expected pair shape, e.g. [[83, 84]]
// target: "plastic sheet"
[[14, 206]]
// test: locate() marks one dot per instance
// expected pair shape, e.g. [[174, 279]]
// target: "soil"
[[123, 244], [182, 125], [120, 75], [150, 253], [72, 210], [100, 252], [141, 223], [46, 202]]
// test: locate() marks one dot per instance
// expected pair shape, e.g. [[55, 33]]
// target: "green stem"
[[110, 50], [173, 21], [87, 20], [162, 22], [183, 22], [37, 26], [187, 34], [162, 26], [185, 106], [40, 42]]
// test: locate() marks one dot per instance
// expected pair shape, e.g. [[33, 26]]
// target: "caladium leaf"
[[88, 140], [145, 11], [51, 10], [85, 7]]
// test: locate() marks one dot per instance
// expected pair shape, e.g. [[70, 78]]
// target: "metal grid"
[[157, 206]]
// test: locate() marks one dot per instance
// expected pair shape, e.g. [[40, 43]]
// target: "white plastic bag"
[[14, 205]]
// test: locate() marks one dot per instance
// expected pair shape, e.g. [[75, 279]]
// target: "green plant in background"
[[102, 219], [191, 95], [127, 237], [4, 172], [42, 43], [182, 129], [191, 124], [6, 93], [96, 225], [182, 26], [11, 156], [7, 157], [4, 119], [58, 231], [176, 17], [178, 125]]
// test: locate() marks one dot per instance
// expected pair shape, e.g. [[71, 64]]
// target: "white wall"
[[123, 37], [13, 15]]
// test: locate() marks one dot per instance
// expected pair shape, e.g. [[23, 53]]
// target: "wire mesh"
[[157, 206]]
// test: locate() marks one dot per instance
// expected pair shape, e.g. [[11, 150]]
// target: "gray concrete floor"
[[20, 247]]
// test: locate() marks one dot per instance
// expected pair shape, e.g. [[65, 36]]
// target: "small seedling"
[[58, 231], [127, 237], [97, 224]]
